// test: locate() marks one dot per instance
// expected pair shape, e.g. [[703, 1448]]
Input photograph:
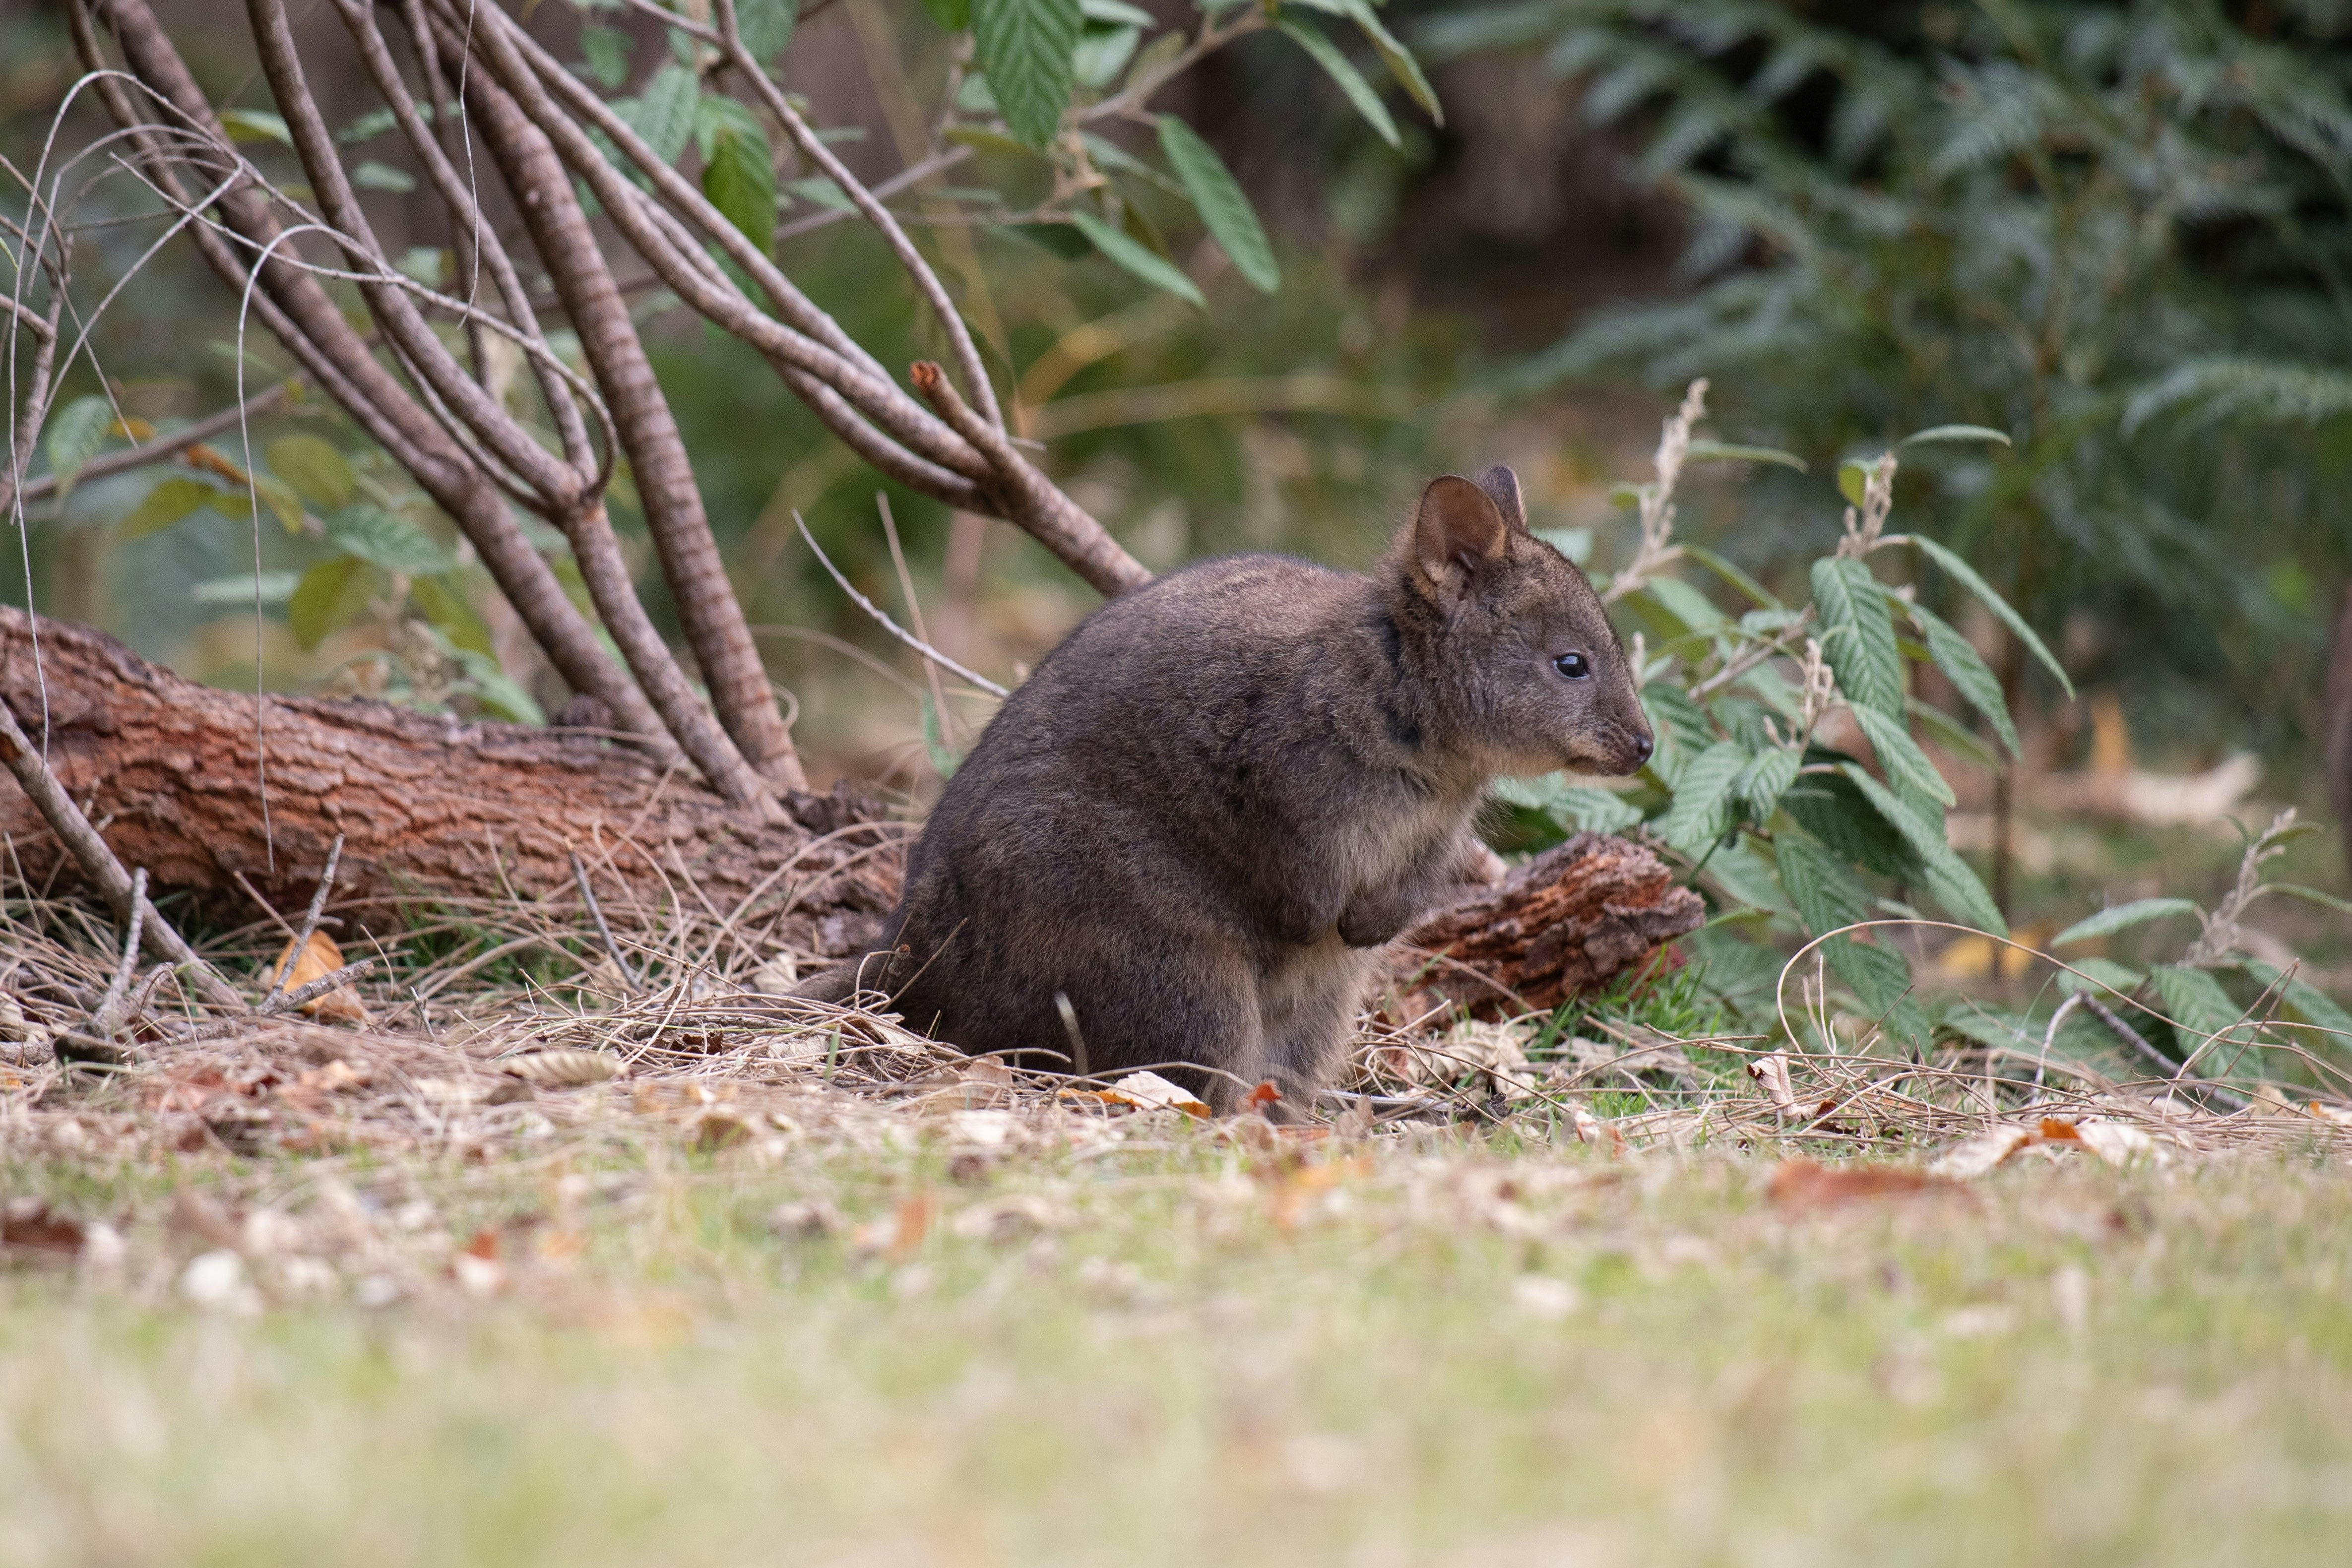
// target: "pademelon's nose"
[[1643, 746]]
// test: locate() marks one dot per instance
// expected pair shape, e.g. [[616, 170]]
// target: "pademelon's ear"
[[1503, 485], [1457, 529]]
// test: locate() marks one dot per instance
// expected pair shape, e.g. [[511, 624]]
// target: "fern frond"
[[2267, 390]]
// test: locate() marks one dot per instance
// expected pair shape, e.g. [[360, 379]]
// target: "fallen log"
[[430, 807], [1574, 917]]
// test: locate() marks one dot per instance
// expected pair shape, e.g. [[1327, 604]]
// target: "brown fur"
[[1206, 810]]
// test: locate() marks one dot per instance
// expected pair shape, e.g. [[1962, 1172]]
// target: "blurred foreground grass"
[[1170, 1347]]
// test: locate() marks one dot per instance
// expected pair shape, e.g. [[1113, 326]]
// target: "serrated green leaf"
[[373, 535], [2122, 917], [1881, 979], [738, 169], [766, 26], [1956, 432], [1727, 451], [1858, 634], [2195, 1002], [1907, 765], [2315, 1005], [1825, 894], [1136, 258], [165, 504], [1767, 779], [256, 125], [75, 435], [663, 113], [1350, 81], [1951, 734], [1967, 672], [315, 470], [1027, 49], [1221, 203], [319, 599], [1947, 875], [1994, 602], [1702, 809], [606, 52], [1589, 809]]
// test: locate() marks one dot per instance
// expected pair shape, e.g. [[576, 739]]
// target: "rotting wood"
[[1573, 917], [430, 807]]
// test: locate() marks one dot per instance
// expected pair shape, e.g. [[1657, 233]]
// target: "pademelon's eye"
[[1575, 666]]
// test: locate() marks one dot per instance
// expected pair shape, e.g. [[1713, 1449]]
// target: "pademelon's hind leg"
[[1310, 1007]]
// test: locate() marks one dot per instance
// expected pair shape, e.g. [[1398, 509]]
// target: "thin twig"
[[104, 1017], [900, 633], [604, 932], [163, 447], [276, 1000]]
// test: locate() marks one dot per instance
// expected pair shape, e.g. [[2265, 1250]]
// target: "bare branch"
[[165, 447], [900, 633]]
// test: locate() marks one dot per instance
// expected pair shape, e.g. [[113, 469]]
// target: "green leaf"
[[944, 757], [238, 503], [1725, 451], [1881, 979], [1947, 876], [2122, 917], [1701, 812], [981, 140], [1994, 602], [1951, 734], [319, 599], [2309, 895], [1853, 480], [1858, 634], [1352, 82], [2315, 1005], [1967, 672], [1397, 58], [75, 433], [819, 190], [1826, 894], [1592, 810], [1686, 603], [369, 174], [606, 52], [1755, 590], [442, 603], [1118, 14], [1102, 53], [1766, 779], [738, 169], [1027, 49], [2100, 974], [317, 471], [664, 114], [373, 535], [1061, 239], [1955, 432], [766, 26], [270, 588], [166, 504], [1576, 544], [2195, 1002], [1222, 204], [1900, 756], [954, 15], [256, 125], [1136, 258], [498, 693]]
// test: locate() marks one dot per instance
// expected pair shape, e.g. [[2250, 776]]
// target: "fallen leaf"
[[564, 1068], [1150, 1091], [716, 1130], [1264, 1095], [31, 1223], [1966, 1161], [900, 1232], [1771, 1071], [2117, 1143], [2055, 1131], [320, 959], [1808, 1184]]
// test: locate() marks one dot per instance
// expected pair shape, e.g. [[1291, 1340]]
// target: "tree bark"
[[431, 807], [1573, 917]]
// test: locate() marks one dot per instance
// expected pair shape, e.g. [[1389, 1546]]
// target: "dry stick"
[[604, 932], [2164, 1065], [299, 312], [274, 1001], [165, 447], [900, 633], [304, 994], [102, 1017], [914, 609], [98, 863]]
